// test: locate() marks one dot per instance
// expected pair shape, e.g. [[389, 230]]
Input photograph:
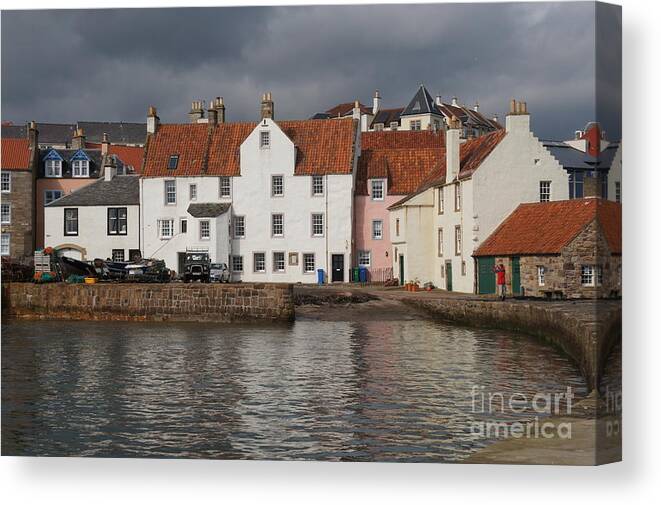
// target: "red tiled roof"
[[343, 109], [402, 140], [405, 169], [546, 228], [322, 147], [130, 155], [15, 154], [471, 155], [474, 151]]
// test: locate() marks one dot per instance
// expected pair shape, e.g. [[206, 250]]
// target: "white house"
[[436, 229], [100, 220], [286, 189]]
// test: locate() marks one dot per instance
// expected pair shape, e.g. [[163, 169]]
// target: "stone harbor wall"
[[150, 302], [585, 330]]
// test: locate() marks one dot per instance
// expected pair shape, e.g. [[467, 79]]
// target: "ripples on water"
[[375, 391]]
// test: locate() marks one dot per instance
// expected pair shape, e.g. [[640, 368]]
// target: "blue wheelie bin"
[[363, 274], [320, 276]]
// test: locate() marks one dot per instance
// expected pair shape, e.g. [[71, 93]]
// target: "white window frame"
[[160, 224], [541, 275], [112, 255], [280, 178], [53, 168], [276, 261], [3, 214], [307, 256], [457, 196], [588, 275], [254, 262], [237, 258], [439, 242], [265, 139], [225, 187], [313, 217], [457, 240], [376, 236], [318, 182], [52, 191], [544, 191], [77, 220], [415, 124], [281, 225], [441, 200], [192, 192], [5, 244], [235, 227], [204, 236], [381, 185], [167, 193], [80, 168], [364, 255], [5, 185]]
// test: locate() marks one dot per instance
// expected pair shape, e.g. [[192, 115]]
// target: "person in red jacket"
[[500, 280]]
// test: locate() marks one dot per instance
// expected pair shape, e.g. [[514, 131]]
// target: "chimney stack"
[[518, 118], [592, 186], [105, 144], [152, 120], [455, 102], [212, 114], [78, 141], [267, 107], [377, 102], [33, 136], [452, 135], [109, 168], [196, 111], [476, 107], [219, 105], [438, 100], [355, 113]]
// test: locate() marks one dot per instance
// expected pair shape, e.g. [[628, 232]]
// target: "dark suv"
[[196, 267]]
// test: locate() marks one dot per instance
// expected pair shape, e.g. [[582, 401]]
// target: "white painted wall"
[[509, 176], [252, 199], [154, 208], [92, 231]]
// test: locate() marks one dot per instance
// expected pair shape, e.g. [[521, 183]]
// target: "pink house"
[[392, 164]]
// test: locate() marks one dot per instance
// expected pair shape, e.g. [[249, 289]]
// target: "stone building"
[[18, 186], [563, 249]]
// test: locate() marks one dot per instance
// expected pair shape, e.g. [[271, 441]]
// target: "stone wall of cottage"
[[21, 227], [563, 271], [150, 302]]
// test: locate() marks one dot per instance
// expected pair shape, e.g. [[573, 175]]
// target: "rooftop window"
[[173, 161]]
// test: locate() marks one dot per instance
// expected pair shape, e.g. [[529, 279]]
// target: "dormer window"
[[416, 125], [265, 140], [80, 168], [53, 168], [173, 162]]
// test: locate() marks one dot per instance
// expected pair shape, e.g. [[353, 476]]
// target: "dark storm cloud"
[[111, 64]]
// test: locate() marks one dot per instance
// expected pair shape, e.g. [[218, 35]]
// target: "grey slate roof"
[[571, 158], [208, 209], [387, 116], [49, 133], [421, 103], [121, 190], [118, 132]]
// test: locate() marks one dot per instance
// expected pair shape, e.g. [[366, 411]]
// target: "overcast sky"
[[63, 66]]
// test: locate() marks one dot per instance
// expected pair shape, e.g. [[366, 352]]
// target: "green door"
[[486, 279], [401, 269], [516, 275], [448, 275]]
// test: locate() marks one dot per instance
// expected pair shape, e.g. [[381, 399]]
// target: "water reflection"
[[373, 390]]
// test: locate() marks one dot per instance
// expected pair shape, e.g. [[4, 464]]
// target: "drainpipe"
[[326, 218]]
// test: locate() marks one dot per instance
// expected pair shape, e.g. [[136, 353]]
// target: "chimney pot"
[[455, 101], [439, 101], [152, 120], [267, 107]]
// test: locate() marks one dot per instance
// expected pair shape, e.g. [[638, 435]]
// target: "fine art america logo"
[[494, 406]]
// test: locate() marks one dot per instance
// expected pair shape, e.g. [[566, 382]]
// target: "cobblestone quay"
[[149, 302]]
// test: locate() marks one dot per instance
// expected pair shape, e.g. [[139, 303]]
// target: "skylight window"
[[173, 161]]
